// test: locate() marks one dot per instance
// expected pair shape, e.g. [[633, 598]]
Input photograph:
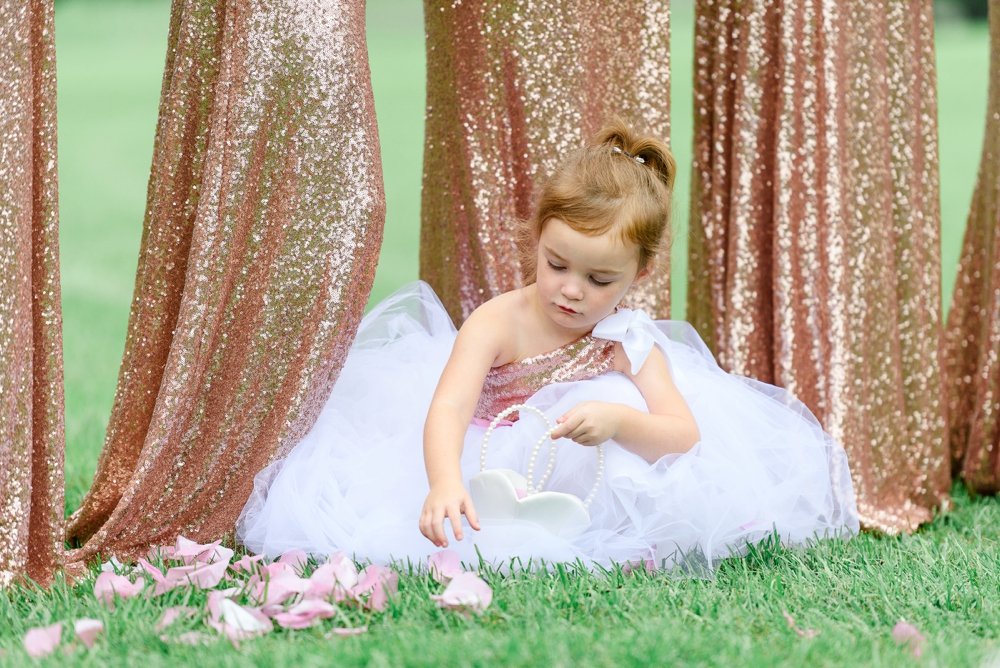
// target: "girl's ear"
[[644, 273]]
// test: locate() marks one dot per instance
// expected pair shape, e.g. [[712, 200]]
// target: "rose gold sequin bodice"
[[514, 383]]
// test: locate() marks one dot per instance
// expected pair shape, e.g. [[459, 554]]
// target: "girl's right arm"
[[481, 341]]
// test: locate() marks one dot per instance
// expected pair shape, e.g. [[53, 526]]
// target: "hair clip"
[[637, 158]]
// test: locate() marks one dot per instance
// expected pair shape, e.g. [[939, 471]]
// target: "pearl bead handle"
[[532, 487]]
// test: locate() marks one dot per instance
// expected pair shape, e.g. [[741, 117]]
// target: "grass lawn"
[[110, 58]]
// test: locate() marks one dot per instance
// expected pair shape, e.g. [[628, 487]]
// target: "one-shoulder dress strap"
[[635, 330]]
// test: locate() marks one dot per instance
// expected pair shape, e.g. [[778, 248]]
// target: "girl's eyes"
[[593, 280]]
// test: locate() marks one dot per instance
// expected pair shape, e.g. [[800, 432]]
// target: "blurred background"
[[110, 56]]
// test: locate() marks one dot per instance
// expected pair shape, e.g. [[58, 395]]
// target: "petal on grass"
[[247, 563], [87, 630], [297, 559], [907, 634], [467, 592], [378, 583], [171, 615], [234, 621], [42, 640], [305, 614], [444, 566], [344, 632], [109, 584], [807, 633]]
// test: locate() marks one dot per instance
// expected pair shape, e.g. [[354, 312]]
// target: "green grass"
[[945, 580], [110, 58]]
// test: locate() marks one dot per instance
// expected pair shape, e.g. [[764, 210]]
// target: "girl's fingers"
[[437, 528], [567, 427], [470, 512], [455, 515]]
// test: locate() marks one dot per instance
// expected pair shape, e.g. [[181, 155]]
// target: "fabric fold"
[[260, 243]]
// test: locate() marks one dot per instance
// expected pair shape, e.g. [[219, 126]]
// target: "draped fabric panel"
[[512, 87], [815, 250], [972, 336], [261, 236], [32, 433]]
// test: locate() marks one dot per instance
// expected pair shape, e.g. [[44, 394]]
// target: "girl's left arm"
[[668, 427]]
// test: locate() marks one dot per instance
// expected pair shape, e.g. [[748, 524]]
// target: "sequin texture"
[[32, 431], [815, 230], [512, 87], [260, 242], [514, 383]]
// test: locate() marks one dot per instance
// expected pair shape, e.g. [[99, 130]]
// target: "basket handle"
[[532, 488]]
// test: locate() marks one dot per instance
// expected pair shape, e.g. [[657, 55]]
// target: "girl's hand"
[[589, 423], [446, 500]]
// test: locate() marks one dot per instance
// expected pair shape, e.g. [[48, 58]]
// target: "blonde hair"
[[603, 187]]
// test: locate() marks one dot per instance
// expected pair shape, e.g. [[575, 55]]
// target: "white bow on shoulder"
[[633, 329]]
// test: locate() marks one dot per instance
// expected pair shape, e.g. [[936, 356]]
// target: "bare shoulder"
[[495, 324]]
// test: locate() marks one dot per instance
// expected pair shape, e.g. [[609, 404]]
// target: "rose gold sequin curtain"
[[814, 257], [511, 88], [972, 337], [31, 371], [262, 231]]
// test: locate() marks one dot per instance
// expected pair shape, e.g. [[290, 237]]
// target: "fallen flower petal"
[[200, 575], [444, 565], [305, 614], [356, 631], [247, 563], [908, 634], [109, 584], [235, 621], [322, 582], [171, 615], [467, 592], [297, 559], [112, 565], [43, 640], [346, 573], [378, 582], [807, 633], [87, 630]]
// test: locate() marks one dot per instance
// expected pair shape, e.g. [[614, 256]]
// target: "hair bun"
[[654, 153]]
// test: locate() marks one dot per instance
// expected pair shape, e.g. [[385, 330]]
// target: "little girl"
[[696, 462]]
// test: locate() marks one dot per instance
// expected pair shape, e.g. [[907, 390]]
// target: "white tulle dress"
[[357, 483]]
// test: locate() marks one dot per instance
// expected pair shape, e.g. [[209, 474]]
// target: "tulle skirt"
[[356, 482]]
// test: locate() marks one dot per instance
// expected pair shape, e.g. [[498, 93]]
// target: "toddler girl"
[[696, 462]]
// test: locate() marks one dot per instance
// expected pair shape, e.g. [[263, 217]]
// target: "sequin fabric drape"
[[261, 237], [972, 337], [31, 371], [814, 254], [512, 87]]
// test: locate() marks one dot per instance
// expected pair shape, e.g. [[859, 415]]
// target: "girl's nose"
[[570, 290]]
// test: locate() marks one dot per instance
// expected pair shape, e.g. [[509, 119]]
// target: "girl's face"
[[582, 278]]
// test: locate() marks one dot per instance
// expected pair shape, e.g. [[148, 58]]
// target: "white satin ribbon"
[[633, 329]]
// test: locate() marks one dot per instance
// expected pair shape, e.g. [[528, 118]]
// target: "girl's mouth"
[[567, 310]]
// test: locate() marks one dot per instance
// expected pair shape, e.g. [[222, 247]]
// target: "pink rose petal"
[[171, 615], [247, 563], [43, 640], [322, 582], [634, 567], [444, 565], [234, 621], [199, 575], [87, 630], [378, 583], [807, 633], [346, 572], [908, 634], [305, 614], [109, 584], [297, 559], [344, 632], [467, 592]]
